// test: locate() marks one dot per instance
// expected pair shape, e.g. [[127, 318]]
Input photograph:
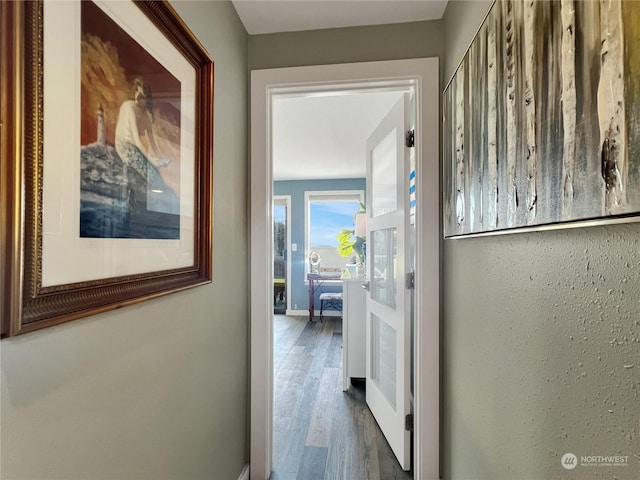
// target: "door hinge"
[[411, 138], [408, 422], [410, 281]]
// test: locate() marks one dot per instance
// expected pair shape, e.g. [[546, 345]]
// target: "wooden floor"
[[321, 432]]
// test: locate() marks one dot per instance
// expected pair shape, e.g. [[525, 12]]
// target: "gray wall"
[[157, 390], [537, 331], [346, 45]]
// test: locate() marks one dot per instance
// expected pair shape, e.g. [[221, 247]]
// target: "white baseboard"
[[244, 475], [305, 313]]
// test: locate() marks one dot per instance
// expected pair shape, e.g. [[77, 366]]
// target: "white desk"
[[353, 331]]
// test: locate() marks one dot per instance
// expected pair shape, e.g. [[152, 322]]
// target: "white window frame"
[[328, 196]]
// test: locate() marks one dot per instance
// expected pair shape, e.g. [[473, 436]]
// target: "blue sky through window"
[[326, 220], [279, 213]]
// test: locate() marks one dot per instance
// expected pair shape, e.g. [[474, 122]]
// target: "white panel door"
[[388, 299]]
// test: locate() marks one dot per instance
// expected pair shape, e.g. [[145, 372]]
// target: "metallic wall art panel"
[[542, 118]]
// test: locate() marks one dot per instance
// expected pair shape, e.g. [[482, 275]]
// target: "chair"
[[332, 301]]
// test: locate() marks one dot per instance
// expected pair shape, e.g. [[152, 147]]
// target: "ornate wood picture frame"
[[106, 166]]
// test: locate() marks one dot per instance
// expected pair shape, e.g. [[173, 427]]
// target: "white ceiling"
[[270, 16], [324, 136]]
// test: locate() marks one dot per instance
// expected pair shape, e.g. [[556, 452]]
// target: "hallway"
[[321, 432]]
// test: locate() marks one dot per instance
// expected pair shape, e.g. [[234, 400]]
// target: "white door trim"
[[424, 74]]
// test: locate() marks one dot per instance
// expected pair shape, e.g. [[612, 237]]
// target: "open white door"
[[388, 262]]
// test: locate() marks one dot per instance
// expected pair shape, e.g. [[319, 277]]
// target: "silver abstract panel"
[[542, 118]]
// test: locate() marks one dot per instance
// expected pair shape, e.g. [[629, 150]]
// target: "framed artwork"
[[107, 113], [542, 119]]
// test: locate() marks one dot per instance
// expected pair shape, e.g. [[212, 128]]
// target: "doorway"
[[422, 74]]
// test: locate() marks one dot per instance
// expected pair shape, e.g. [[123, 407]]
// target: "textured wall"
[[541, 341], [157, 390]]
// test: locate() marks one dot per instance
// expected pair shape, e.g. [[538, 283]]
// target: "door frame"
[[423, 74]]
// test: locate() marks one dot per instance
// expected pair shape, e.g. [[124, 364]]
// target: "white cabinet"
[[353, 331]]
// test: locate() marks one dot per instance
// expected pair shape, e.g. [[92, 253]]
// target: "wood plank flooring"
[[321, 432]]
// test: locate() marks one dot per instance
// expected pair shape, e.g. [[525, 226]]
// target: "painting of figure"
[[130, 136]]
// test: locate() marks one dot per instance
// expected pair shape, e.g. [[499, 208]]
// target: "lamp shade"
[[361, 224]]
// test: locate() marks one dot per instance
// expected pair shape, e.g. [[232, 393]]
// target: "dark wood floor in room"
[[321, 432]]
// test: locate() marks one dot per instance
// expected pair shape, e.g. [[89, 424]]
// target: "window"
[[326, 214]]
